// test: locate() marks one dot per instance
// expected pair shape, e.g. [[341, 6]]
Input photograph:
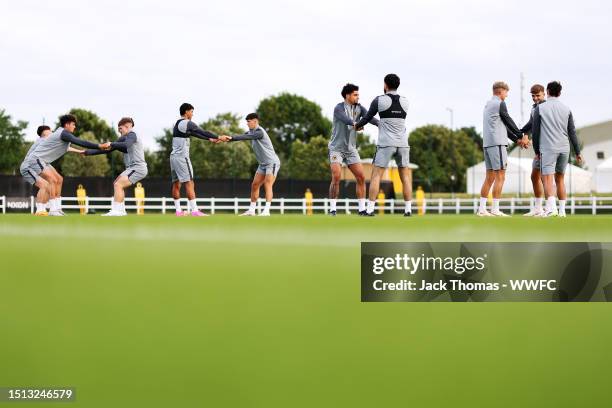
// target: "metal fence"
[[575, 205]]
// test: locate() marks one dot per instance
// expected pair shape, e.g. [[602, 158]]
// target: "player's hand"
[[359, 129], [579, 159], [105, 146], [225, 138], [526, 141]]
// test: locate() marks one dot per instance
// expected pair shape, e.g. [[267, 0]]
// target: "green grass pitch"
[[226, 311]]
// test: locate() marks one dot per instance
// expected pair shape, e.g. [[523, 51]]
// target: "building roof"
[[596, 133]]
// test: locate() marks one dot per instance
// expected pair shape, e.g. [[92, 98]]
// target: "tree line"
[[298, 129]]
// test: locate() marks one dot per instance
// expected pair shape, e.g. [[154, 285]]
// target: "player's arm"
[[257, 134], [369, 115], [124, 142], [196, 131], [571, 131], [526, 130], [73, 150], [95, 152], [69, 137], [514, 132], [536, 130], [373, 121], [341, 115]]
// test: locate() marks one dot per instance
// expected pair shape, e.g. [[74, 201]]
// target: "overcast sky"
[[144, 58]]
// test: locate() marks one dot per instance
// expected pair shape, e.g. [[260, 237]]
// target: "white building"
[[596, 141], [603, 177]]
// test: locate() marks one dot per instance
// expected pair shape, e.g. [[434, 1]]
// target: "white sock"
[[538, 204], [119, 207], [193, 206], [52, 205], [362, 204], [332, 205], [371, 206], [562, 205], [58, 203], [483, 204], [496, 204], [408, 205], [253, 206], [551, 203], [40, 207], [267, 207], [177, 204]]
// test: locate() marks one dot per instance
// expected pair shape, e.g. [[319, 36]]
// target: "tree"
[[89, 122], [365, 146], [440, 154], [12, 144], [473, 134], [308, 160], [288, 117], [75, 165]]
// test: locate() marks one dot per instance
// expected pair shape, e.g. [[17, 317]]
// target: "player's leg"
[[334, 185], [360, 186], [547, 168], [406, 178], [562, 161], [490, 156], [190, 189], [50, 176], [57, 189], [484, 193], [498, 185], [175, 164], [258, 180], [402, 158], [268, 184], [41, 199], [118, 206], [382, 156], [353, 161], [377, 173], [538, 189], [500, 177]]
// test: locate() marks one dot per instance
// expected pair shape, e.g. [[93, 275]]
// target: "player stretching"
[[180, 163], [135, 164], [537, 95], [553, 130], [53, 177], [392, 140], [35, 169], [497, 128], [269, 163], [343, 146]]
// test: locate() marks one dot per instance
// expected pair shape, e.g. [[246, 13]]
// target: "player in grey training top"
[[52, 176], [392, 140], [498, 126], [538, 96], [36, 168], [180, 163], [135, 165], [553, 130], [269, 163], [343, 146]]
